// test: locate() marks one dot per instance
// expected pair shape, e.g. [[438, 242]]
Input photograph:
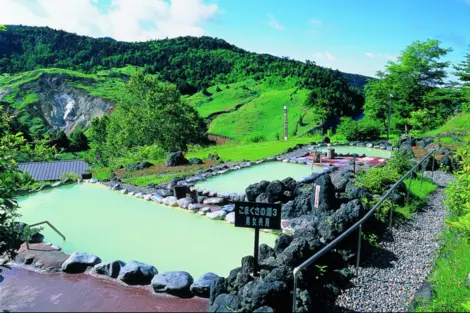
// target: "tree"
[[463, 70], [417, 71], [78, 141], [13, 147], [150, 113], [3, 28]]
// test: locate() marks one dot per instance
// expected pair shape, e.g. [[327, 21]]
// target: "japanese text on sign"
[[257, 215]]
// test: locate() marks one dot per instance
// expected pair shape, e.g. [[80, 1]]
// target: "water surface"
[[238, 180], [99, 221]]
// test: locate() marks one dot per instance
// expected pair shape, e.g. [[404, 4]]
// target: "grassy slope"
[[261, 115], [460, 123]]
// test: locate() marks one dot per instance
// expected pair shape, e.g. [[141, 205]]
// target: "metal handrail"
[[357, 225], [50, 225]]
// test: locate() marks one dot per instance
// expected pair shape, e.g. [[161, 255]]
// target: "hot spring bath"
[[99, 221]]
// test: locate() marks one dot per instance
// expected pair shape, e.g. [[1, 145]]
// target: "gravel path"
[[389, 278]]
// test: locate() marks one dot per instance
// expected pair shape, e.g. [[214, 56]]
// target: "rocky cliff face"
[[62, 106]]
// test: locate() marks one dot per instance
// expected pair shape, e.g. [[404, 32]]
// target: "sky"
[[354, 36]]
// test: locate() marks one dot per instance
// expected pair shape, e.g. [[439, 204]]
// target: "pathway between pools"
[[28, 291], [388, 280]]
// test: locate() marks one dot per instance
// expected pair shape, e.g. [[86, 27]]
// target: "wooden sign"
[[257, 215]]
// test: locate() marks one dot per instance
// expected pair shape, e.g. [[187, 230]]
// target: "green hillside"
[[253, 110]]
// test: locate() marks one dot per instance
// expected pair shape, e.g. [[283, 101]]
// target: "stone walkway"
[[389, 278], [28, 291]]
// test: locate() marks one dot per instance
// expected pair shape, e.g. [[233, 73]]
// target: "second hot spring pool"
[[370, 152], [238, 180], [112, 226]]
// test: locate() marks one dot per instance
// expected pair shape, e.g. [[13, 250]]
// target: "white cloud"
[[122, 21], [317, 22], [324, 55], [370, 55], [329, 56], [391, 57], [274, 23]]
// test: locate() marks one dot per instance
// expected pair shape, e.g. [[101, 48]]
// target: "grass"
[[459, 123], [449, 277], [421, 189], [162, 177], [236, 151]]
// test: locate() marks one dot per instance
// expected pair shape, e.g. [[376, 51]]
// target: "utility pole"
[[389, 113], [286, 129]]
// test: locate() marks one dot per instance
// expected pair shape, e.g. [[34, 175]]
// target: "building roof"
[[42, 171]]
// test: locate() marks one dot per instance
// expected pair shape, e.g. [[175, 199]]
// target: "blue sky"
[[353, 36]]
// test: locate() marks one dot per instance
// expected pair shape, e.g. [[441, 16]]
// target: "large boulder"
[[176, 283], [217, 215], [195, 161], [176, 159], [445, 163], [110, 269], [78, 262], [138, 166], [254, 190], [430, 163], [202, 286], [289, 184], [274, 191], [217, 288], [340, 220], [137, 273], [282, 242], [225, 303], [326, 196]]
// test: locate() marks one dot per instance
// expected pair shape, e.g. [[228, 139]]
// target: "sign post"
[[258, 216]]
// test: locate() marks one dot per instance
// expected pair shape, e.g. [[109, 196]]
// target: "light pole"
[[389, 113]]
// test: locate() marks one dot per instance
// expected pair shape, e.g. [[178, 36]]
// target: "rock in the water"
[[230, 217], [176, 283], [176, 159], [214, 201], [195, 161], [78, 262], [57, 184], [217, 215], [137, 273], [195, 207], [184, 203], [225, 303], [124, 191], [44, 187], [110, 269], [171, 201], [157, 198], [202, 286]]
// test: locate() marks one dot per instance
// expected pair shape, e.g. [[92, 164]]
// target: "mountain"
[[64, 80]]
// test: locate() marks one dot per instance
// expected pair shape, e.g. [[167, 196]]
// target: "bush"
[[258, 138], [71, 176], [365, 129], [377, 179]]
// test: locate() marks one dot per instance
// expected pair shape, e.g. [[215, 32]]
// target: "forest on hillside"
[[192, 63]]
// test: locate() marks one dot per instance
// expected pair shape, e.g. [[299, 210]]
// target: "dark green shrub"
[[365, 129]]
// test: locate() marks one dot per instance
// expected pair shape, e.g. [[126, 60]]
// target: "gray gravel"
[[389, 278]]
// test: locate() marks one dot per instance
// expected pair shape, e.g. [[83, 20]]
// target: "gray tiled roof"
[[42, 171]]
